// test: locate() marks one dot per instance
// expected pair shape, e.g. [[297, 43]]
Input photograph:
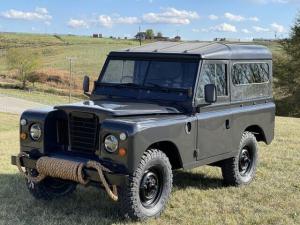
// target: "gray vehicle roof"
[[205, 50]]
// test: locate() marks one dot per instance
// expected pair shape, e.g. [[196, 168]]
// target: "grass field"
[[40, 97], [198, 196], [90, 53]]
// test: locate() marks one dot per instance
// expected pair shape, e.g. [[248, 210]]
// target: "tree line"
[[287, 73]]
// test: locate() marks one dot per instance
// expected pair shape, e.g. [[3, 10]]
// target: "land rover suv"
[[154, 109]]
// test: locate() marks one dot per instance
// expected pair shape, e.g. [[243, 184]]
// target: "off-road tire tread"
[[229, 166], [128, 199]]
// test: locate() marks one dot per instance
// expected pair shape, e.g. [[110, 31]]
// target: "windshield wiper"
[[128, 85], [158, 86]]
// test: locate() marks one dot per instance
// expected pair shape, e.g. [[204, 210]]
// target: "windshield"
[[151, 73]]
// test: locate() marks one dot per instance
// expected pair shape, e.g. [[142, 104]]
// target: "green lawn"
[[198, 196]]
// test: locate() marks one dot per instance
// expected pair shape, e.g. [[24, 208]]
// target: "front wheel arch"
[[171, 151]]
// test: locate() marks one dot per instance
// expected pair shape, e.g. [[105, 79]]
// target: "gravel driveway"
[[16, 105]]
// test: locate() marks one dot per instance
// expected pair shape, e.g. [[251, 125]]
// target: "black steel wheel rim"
[[151, 187], [245, 162]]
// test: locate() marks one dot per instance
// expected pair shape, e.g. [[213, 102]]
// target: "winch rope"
[[67, 170], [27, 175], [113, 194]]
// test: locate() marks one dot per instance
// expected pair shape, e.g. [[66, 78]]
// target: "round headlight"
[[35, 131], [111, 143]]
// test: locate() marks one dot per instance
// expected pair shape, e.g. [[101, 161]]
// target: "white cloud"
[[254, 18], [213, 17], [246, 31], [278, 28], [239, 18], [37, 14], [41, 10], [75, 23], [233, 17], [108, 21], [105, 21], [171, 16], [126, 20], [224, 27], [260, 29]]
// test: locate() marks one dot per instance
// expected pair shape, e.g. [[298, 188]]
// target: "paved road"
[[16, 105]]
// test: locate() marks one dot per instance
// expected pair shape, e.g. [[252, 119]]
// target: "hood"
[[119, 108]]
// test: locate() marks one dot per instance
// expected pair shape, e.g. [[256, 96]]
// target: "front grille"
[[83, 132]]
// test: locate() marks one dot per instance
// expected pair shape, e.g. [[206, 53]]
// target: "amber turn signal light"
[[23, 136], [122, 152]]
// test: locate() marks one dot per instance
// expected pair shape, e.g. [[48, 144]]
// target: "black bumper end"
[[112, 178]]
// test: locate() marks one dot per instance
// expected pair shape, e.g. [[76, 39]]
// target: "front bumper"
[[91, 174]]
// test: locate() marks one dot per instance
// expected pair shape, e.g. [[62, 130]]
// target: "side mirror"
[[210, 93], [86, 84]]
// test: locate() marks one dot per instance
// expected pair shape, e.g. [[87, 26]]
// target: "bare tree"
[[25, 61]]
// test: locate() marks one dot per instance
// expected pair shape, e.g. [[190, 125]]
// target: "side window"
[[213, 74], [250, 73]]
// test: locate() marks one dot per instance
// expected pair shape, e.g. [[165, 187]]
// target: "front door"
[[214, 120]]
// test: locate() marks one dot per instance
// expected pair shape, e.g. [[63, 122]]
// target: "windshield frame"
[[150, 57]]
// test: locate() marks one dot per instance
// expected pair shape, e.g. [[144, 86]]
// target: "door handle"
[[227, 124]]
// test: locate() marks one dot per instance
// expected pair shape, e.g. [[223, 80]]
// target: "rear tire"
[[50, 188], [241, 169], [149, 187]]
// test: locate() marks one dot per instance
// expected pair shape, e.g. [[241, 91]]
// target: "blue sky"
[[191, 19]]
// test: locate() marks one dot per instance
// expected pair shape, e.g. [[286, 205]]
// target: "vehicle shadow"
[[85, 206], [183, 179]]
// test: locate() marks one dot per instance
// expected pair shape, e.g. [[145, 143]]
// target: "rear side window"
[[250, 73], [213, 74]]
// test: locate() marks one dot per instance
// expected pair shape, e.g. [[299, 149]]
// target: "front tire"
[[241, 169], [149, 187], [50, 188]]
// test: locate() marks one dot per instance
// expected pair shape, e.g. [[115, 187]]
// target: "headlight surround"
[[35, 132], [111, 143]]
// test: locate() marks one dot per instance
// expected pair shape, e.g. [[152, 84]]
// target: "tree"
[[33, 77], [286, 67], [24, 61], [149, 34], [159, 34]]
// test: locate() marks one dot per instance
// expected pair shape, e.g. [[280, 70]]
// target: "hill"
[[54, 50], [89, 53]]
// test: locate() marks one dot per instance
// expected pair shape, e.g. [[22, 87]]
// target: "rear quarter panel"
[[248, 114]]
